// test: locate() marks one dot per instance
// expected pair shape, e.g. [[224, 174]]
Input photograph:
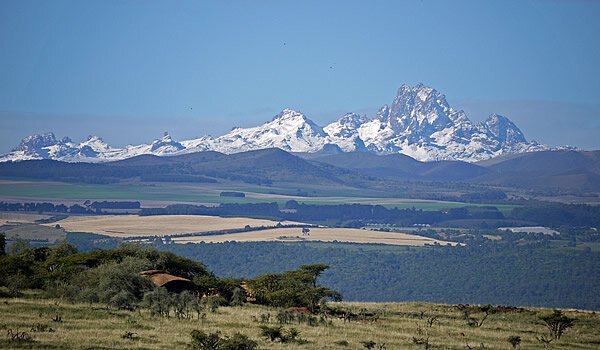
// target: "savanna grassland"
[[51, 324]]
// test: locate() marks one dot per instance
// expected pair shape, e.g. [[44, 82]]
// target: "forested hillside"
[[522, 276]]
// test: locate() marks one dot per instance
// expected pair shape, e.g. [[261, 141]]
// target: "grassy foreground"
[[53, 325]]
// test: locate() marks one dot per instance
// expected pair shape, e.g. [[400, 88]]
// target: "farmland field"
[[34, 232], [39, 191], [317, 234], [8, 218], [124, 226]]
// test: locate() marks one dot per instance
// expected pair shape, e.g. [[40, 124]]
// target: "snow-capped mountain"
[[46, 146], [419, 123], [289, 131], [344, 132]]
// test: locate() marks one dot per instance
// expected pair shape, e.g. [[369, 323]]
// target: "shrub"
[[281, 334], [213, 341], [514, 340], [123, 300], [272, 333], [369, 344], [203, 341], [239, 342]]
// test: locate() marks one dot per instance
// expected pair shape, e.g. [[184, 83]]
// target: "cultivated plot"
[[323, 234], [124, 226], [7, 218]]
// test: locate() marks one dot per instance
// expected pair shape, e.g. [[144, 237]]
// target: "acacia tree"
[[292, 288], [557, 323]]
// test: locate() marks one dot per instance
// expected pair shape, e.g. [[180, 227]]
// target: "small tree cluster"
[[292, 288], [184, 305]]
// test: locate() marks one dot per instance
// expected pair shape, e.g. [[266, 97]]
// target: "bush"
[[368, 344], [281, 334], [116, 284], [123, 300], [213, 341], [272, 333], [239, 342], [159, 302], [514, 340]]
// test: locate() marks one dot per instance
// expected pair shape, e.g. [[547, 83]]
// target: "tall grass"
[[54, 325]]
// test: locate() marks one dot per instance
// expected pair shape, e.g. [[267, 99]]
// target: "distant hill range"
[[571, 171], [563, 170], [419, 123]]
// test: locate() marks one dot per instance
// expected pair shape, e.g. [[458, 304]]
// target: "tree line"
[[113, 277], [90, 208], [352, 215]]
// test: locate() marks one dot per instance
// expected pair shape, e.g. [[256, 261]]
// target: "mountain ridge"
[[419, 123]]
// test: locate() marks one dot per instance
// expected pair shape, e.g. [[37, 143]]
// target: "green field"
[[208, 193]]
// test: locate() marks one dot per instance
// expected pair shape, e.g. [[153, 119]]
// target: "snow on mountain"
[[289, 131], [419, 123], [344, 132]]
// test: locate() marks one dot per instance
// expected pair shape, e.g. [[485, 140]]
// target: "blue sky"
[[130, 70]]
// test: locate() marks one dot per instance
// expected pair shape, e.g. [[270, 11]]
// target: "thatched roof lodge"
[[172, 283]]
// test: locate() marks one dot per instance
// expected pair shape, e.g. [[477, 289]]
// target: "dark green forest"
[[523, 276]]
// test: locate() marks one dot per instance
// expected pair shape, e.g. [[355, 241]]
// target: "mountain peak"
[[288, 114], [352, 119], [504, 130], [91, 138], [290, 119], [417, 110], [34, 143], [166, 145]]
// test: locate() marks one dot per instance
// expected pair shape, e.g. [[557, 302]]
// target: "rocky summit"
[[419, 123]]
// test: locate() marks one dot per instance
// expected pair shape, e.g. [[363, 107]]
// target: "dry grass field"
[[28, 218], [317, 234], [395, 326], [124, 226]]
